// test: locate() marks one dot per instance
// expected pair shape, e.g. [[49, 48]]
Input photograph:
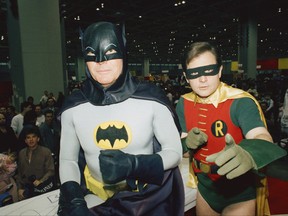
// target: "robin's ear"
[[184, 74], [220, 71]]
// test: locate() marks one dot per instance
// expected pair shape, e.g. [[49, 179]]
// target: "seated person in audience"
[[39, 114], [50, 135], [283, 118], [50, 132], [28, 122], [35, 167], [8, 139], [11, 112], [17, 120], [8, 187], [51, 105], [3, 110], [44, 98]]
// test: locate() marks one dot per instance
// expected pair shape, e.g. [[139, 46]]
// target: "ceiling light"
[[77, 18]]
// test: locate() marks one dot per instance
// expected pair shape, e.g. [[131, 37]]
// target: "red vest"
[[215, 122]]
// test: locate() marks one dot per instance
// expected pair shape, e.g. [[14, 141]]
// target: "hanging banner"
[[283, 63], [270, 64]]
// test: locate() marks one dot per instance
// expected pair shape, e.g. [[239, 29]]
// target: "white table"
[[47, 204], [190, 193]]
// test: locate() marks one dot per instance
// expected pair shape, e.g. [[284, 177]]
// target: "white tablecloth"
[[190, 194], [47, 204]]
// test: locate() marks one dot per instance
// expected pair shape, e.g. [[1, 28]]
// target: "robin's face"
[[204, 84]]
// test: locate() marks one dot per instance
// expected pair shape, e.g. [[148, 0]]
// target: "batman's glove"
[[71, 200], [116, 166], [196, 138]]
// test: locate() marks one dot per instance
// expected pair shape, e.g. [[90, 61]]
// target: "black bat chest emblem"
[[112, 135]]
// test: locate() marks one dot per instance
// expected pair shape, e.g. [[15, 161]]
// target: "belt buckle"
[[205, 168]]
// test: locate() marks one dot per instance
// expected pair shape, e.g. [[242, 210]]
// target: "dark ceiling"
[[159, 30]]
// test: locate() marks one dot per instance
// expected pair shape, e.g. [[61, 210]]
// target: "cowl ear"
[[122, 29], [81, 33]]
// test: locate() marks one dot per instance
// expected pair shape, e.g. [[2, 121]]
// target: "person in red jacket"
[[226, 132]]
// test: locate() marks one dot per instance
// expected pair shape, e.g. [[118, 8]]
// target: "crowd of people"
[[15, 126], [140, 135], [29, 149]]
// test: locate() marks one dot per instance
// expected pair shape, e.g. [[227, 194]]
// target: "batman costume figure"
[[129, 135]]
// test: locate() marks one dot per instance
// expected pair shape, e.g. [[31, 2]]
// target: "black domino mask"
[[208, 70]]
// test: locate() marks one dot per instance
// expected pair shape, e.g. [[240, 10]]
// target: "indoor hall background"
[[159, 30]]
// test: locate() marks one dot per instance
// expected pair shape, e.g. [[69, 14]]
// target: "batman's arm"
[[168, 136], [71, 200], [69, 149]]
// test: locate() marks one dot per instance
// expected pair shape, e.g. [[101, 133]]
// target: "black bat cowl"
[[99, 38]]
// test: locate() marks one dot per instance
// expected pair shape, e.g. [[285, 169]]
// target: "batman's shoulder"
[[74, 99], [149, 91]]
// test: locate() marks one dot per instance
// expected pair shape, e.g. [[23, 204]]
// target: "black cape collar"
[[118, 92]]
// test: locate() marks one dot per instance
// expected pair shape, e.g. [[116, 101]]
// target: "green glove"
[[233, 160], [195, 138]]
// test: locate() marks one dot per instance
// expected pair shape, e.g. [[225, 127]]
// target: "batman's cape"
[[167, 199]]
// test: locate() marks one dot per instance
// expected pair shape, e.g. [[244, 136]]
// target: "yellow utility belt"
[[205, 168], [102, 191]]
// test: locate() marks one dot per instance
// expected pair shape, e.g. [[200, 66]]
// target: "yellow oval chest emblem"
[[112, 135]]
